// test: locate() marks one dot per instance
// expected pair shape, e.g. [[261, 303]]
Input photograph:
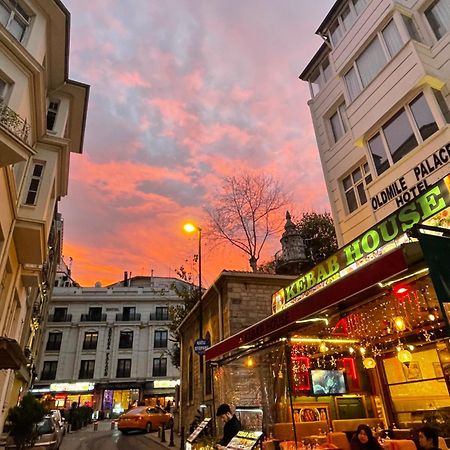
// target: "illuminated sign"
[[69, 387], [165, 383], [376, 240], [414, 183]]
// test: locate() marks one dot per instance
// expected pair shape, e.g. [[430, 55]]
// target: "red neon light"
[[400, 289], [300, 374]]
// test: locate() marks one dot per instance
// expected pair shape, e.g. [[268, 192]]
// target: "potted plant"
[[22, 421]]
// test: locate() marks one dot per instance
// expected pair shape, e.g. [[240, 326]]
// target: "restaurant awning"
[[351, 288], [11, 355]]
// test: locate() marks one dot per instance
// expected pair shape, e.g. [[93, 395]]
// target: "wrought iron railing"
[[11, 120], [128, 317], [93, 317], [57, 318]]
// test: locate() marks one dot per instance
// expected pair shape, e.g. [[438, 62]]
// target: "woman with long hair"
[[364, 439]]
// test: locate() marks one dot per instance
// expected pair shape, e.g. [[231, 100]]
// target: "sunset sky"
[[184, 92]]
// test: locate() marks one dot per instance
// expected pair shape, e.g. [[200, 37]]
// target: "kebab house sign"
[[435, 199]]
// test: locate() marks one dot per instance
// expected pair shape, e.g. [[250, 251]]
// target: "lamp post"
[[191, 228]]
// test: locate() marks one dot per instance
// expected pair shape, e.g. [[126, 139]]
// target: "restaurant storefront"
[[363, 335]]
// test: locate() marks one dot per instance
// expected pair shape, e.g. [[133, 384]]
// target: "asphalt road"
[[109, 440]]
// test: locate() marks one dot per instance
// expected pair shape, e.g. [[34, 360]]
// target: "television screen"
[[326, 382]]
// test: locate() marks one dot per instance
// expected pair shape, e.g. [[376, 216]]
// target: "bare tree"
[[244, 213]]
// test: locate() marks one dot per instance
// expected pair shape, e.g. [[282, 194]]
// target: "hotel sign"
[[414, 183], [429, 203], [158, 384]]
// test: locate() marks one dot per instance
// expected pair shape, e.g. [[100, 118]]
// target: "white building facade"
[[109, 347], [42, 121], [380, 108]]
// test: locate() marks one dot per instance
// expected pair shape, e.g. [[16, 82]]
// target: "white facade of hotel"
[[42, 121], [115, 337], [380, 106]]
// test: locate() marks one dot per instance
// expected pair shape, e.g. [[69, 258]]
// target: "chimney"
[[125, 279]]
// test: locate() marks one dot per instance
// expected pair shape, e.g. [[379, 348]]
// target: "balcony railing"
[[66, 318], [93, 318], [11, 120], [157, 316], [128, 317]]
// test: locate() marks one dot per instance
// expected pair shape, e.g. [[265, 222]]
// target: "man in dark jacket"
[[232, 424]]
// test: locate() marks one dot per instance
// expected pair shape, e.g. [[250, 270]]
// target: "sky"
[[183, 94]]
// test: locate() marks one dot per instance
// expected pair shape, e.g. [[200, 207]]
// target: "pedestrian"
[[168, 406], [364, 439], [428, 438], [231, 427]]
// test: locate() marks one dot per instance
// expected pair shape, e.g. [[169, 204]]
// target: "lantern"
[[249, 362], [399, 323], [404, 356], [369, 363], [323, 347]]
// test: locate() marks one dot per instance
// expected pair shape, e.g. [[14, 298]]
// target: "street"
[[107, 439]]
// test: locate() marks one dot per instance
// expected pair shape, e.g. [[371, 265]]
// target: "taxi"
[[144, 418]]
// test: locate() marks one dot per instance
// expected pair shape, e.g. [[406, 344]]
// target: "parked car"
[[56, 413], [50, 435], [144, 418]]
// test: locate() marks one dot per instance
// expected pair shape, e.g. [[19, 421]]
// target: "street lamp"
[[191, 228]]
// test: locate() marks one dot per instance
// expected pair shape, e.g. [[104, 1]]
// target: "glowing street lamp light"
[[191, 228]]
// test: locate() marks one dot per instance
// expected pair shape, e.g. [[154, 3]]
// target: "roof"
[[312, 64]]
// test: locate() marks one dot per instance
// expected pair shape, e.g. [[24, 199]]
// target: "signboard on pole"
[[200, 346]]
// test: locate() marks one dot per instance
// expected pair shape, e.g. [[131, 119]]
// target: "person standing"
[[231, 425]]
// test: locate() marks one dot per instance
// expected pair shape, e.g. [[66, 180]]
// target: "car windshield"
[[45, 426], [139, 410]]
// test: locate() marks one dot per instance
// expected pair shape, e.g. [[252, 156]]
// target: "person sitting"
[[364, 439], [428, 438], [232, 424]]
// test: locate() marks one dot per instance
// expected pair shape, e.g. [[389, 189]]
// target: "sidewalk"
[[176, 439]]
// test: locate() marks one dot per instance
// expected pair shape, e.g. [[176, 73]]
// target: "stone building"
[[233, 302], [42, 121]]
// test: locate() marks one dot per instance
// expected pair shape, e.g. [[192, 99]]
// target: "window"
[[162, 313], [35, 182], [14, 18], [3, 89], [344, 21], [423, 117], [60, 315], [412, 28], [49, 370], [95, 314], [392, 39], [442, 104], [320, 76], [126, 339], [51, 114], [354, 187], [159, 367], [402, 133], [54, 341], [399, 136], [160, 339], [369, 64], [86, 369], [129, 313], [438, 16], [90, 340], [337, 122], [123, 368]]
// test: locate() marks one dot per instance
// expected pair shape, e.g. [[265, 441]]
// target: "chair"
[[339, 439], [442, 444]]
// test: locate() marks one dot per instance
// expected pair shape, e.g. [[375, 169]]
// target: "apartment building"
[[380, 107], [42, 121], [109, 347]]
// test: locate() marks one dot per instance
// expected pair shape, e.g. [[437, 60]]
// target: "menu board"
[[198, 430], [245, 440]]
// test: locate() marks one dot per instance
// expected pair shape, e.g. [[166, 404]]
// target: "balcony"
[[15, 133], [128, 317], [93, 318], [58, 318], [158, 316]]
